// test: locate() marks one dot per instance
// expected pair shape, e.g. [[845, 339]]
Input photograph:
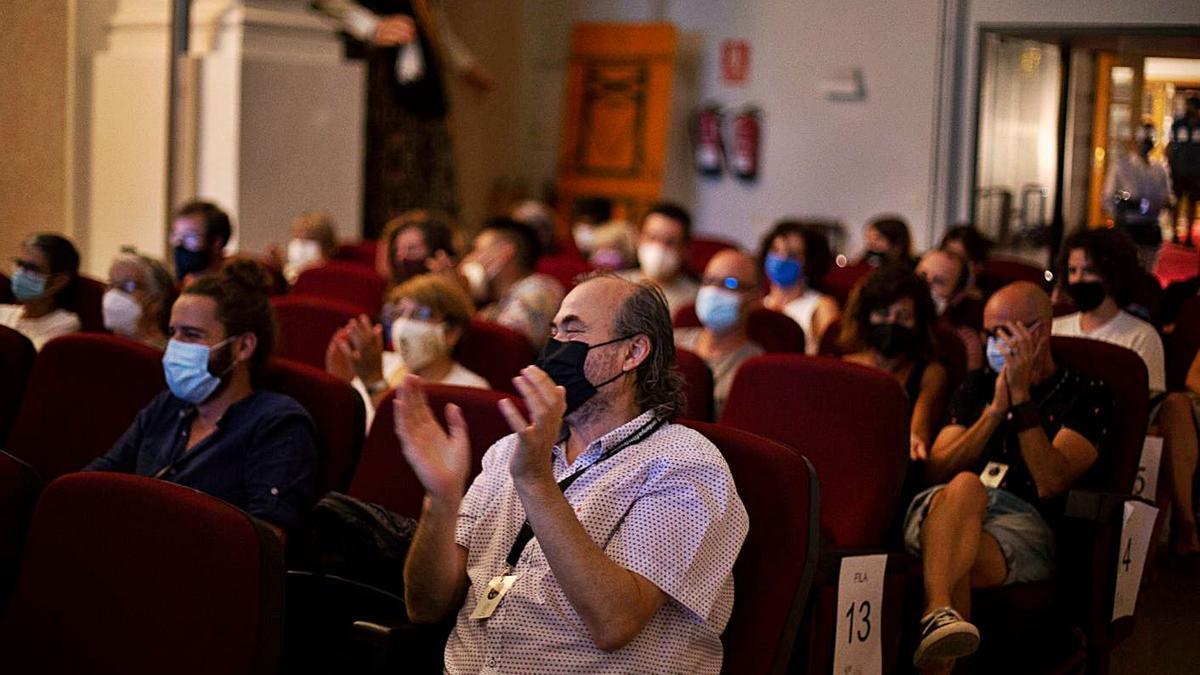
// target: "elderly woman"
[[138, 302]]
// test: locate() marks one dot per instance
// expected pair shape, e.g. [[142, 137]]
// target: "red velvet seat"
[[307, 324], [358, 253], [775, 332], [701, 250], [6, 296], [384, 477], [698, 386], [19, 486], [83, 393], [344, 282], [1000, 272], [125, 574], [840, 281], [89, 304], [16, 362], [1183, 344], [774, 570], [565, 267], [494, 352], [336, 409]]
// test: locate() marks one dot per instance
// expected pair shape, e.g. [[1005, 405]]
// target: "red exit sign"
[[735, 61]]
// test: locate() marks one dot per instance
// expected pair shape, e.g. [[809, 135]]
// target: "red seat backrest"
[[336, 409], [89, 304], [775, 332], [774, 570], [358, 253], [1128, 385], [698, 386], [125, 574], [565, 267], [307, 324], [384, 477], [850, 421], [84, 392], [948, 349], [1000, 272], [16, 362], [839, 281], [1183, 344], [701, 250], [494, 352], [19, 486], [344, 282], [6, 296]]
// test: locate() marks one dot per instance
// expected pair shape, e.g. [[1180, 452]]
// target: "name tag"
[[497, 588], [993, 474]]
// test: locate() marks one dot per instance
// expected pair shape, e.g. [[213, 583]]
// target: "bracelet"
[[1025, 416]]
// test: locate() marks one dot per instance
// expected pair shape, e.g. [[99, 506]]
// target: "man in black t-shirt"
[[1020, 435]]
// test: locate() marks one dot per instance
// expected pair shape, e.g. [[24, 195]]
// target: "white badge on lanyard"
[[497, 588], [993, 474]]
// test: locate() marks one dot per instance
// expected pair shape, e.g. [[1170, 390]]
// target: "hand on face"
[[1021, 351], [546, 403]]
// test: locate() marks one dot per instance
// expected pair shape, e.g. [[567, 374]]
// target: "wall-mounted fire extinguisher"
[[708, 152], [747, 138]]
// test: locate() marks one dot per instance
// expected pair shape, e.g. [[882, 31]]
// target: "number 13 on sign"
[[858, 648]]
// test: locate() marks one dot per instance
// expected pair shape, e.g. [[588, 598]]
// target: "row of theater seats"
[[784, 412]]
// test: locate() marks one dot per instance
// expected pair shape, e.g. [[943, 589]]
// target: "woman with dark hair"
[[887, 325], [44, 283], [416, 242], [795, 258], [887, 240], [213, 430]]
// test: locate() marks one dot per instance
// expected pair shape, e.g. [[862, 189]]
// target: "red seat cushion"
[[698, 386], [359, 253], [344, 282], [494, 352], [384, 477], [125, 574], [84, 392], [16, 362], [851, 422], [307, 324]]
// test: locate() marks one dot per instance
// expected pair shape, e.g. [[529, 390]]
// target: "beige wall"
[[33, 128]]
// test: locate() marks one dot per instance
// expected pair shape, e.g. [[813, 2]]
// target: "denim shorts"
[[1024, 537]]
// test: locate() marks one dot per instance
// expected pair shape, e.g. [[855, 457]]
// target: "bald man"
[[728, 292], [1021, 432]]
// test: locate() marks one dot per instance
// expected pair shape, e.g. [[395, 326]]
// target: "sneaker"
[[945, 636]]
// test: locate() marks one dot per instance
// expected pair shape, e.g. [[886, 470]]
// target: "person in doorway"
[[1136, 190], [1183, 154]]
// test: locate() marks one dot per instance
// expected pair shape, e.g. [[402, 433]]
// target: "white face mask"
[[121, 312], [301, 253], [418, 343], [585, 238], [657, 261], [939, 304], [477, 281]]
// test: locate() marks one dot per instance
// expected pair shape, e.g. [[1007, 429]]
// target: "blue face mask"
[[785, 272], [995, 358], [27, 285], [718, 308], [185, 365]]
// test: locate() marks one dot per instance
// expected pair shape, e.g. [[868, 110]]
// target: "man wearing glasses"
[[1020, 433]]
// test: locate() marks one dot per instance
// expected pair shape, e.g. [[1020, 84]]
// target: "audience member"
[[1019, 436], [137, 304], [500, 275], [415, 242], [1136, 190], [795, 258], [200, 231], [540, 217], [45, 285], [728, 292], [887, 240], [594, 583], [614, 246], [970, 244], [212, 430], [589, 213], [887, 326], [311, 244], [948, 276], [1099, 267], [661, 252], [430, 314]]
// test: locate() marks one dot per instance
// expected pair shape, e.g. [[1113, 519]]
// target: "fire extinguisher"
[[747, 133], [708, 151]]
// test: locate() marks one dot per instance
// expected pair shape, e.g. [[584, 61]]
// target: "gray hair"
[[659, 382], [159, 283]]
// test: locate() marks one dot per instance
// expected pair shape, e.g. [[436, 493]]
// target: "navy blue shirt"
[[262, 457]]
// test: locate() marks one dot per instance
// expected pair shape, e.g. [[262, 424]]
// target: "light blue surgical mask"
[[27, 285], [718, 308], [185, 365], [995, 357]]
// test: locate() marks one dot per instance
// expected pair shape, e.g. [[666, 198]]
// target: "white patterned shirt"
[[665, 508]]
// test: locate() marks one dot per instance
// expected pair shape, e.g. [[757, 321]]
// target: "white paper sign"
[[1136, 531], [1146, 483], [858, 647]]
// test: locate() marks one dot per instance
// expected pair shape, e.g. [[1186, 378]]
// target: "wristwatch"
[[1025, 416]]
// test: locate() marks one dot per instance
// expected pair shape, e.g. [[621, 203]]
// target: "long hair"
[[62, 258], [659, 382], [880, 290]]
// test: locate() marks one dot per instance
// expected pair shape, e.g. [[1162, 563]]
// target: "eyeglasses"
[[731, 283], [406, 309], [129, 285], [28, 266], [1001, 332]]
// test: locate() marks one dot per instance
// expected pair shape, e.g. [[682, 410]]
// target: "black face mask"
[[563, 362], [190, 262], [1087, 295], [891, 339], [407, 269]]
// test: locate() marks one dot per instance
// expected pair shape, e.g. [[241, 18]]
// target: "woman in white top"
[[429, 315], [45, 284], [794, 258]]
